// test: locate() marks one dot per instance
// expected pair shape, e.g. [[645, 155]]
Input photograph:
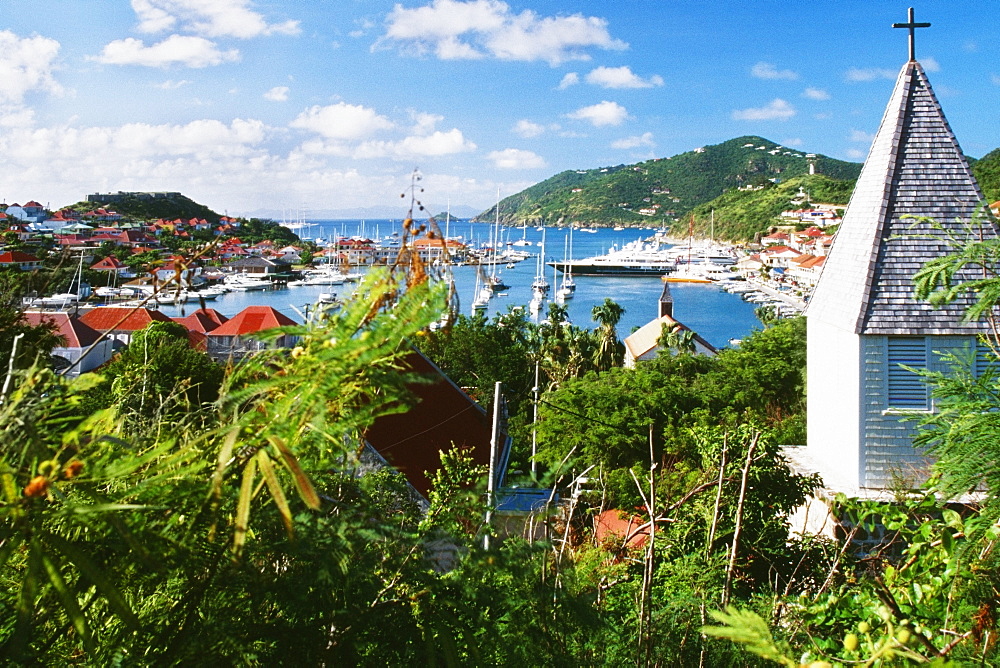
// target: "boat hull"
[[614, 269]]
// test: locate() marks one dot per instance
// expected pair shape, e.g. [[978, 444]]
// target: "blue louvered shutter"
[[985, 359], [907, 389]]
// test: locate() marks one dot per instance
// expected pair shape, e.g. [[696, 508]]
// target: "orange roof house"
[[121, 322], [20, 260], [110, 263], [199, 324], [75, 352], [235, 337]]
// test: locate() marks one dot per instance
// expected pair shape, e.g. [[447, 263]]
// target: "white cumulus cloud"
[[600, 114], [414, 147], [195, 52], [570, 79], [26, 64], [764, 70], [815, 94], [621, 77], [527, 129], [515, 158], [778, 110], [277, 94], [869, 74], [208, 18], [645, 139], [469, 29], [424, 123], [341, 121]]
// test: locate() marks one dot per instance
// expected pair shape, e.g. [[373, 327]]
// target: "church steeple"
[[915, 169], [865, 330]]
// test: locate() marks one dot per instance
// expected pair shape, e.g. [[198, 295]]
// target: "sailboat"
[[493, 281], [688, 272], [523, 241], [483, 294], [540, 284], [568, 287]]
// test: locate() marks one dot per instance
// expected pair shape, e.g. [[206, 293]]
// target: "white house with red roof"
[[237, 338], [19, 259], [32, 212], [121, 322], [111, 264], [778, 256], [77, 352]]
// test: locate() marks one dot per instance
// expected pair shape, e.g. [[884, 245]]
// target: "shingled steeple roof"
[[915, 169]]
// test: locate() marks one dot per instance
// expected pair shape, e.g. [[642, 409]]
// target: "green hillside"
[[987, 172], [742, 215], [169, 208], [665, 188]]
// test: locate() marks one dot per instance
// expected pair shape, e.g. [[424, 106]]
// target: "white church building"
[[863, 322]]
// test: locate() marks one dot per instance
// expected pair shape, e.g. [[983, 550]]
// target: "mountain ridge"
[[663, 190]]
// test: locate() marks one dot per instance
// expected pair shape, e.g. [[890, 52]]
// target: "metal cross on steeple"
[[910, 25]]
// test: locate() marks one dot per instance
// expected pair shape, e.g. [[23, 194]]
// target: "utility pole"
[[491, 483]]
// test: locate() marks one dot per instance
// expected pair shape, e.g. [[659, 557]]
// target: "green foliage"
[[33, 343], [746, 215], [987, 173], [158, 375]]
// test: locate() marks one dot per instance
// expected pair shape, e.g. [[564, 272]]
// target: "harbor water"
[[714, 314]]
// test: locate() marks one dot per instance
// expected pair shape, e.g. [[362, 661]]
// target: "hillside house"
[[32, 212], [111, 264], [20, 259]]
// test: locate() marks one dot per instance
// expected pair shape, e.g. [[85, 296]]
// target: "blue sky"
[[312, 106]]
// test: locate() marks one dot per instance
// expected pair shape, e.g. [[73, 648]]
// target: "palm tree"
[[610, 351], [676, 339]]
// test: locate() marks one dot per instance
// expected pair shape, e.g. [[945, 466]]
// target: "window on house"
[[906, 388]]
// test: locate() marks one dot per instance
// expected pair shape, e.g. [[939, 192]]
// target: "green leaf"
[[68, 598], [94, 573], [948, 542], [277, 493], [302, 482], [243, 506], [749, 629]]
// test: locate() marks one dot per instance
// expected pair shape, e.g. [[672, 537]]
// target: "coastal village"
[[712, 499]]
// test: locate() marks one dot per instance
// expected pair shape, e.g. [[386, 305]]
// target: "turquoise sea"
[[716, 315]]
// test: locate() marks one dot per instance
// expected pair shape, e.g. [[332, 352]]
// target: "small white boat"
[[246, 282]]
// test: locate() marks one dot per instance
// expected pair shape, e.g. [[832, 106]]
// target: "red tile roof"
[[76, 333], [110, 263], [612, 527], [251, 320], [16, 256], [106, 318], [203, 320]]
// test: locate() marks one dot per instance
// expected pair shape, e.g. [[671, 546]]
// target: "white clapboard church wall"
[[862, 320]]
